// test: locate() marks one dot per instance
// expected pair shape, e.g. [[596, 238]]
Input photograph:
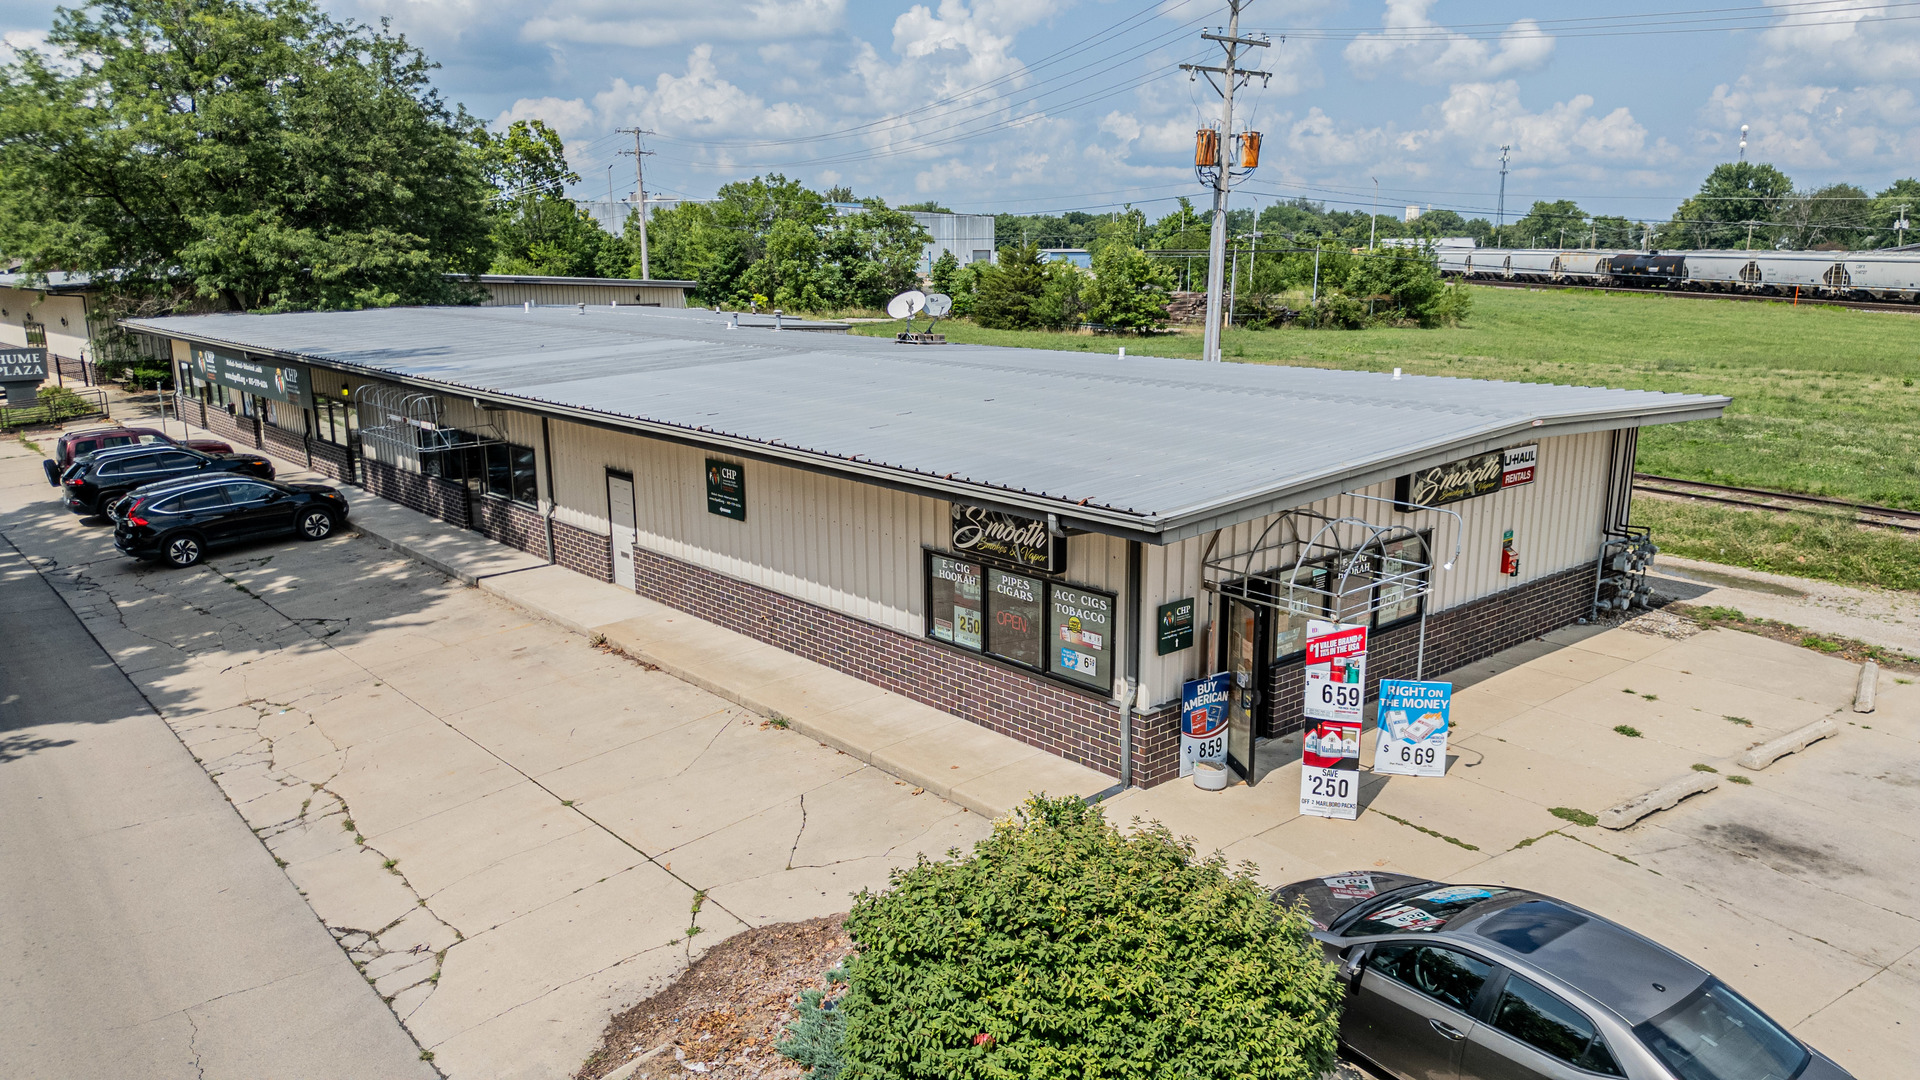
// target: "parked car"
[[75, 443], [176, 521], [1484, 982], [93, 483]]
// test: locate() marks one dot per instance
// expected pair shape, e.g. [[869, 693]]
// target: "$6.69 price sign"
[[1413, 728]]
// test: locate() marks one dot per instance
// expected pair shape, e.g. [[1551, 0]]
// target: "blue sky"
[[1048, 105]]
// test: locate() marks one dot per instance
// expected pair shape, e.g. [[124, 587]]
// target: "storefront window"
[[1290, 626], [1401, 600], [953, 601], [1032, 622], [500, 469], [1080, 641], [1015, 629]]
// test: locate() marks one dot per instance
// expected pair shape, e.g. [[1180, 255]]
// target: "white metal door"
[[625, 528]]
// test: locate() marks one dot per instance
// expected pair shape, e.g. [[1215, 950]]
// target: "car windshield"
[[1715, 1035], [1422, 912]]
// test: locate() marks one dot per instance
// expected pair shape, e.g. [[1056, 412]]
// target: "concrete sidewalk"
[[982, 770]]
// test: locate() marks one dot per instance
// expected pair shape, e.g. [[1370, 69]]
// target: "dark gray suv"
[[1483, 982]]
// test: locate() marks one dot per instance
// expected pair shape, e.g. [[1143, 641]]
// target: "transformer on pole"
[[1217, 169]]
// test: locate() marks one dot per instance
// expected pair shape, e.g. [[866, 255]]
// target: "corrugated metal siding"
[[47, 309], [504, 294], [850, 547], [1556, 522]]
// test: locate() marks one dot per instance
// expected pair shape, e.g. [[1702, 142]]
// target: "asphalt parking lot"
[[511, 833]]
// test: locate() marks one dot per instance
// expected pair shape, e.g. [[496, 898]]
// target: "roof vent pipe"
[[583, 307], [776, 318], [527, 306]]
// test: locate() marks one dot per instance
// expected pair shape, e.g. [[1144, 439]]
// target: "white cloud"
[[1812, 127], [699, 102], [614, 22], [1415, 46], [568, 116], [1860, 42]]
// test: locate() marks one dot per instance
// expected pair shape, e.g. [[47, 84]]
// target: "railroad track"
[[1884, 517], [1702, 294]]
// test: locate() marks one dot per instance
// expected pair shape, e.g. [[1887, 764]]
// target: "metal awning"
[[1306, 563]]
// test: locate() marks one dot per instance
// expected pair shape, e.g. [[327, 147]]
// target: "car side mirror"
[[276, 496]]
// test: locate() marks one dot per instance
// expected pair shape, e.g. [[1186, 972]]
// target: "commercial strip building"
[[516, 290], [1017, 537], [54, 312]]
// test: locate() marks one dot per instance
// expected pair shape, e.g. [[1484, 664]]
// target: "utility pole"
[[1750, 224], [1900, 227], [1232, 77], [1500, 221], [1373, 218], [640, 192]]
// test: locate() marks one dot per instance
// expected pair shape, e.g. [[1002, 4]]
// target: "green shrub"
[[1064, 948], [61, 403], [819, 1027]]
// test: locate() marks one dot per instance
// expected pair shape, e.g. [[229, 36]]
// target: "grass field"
[[1825, 399]]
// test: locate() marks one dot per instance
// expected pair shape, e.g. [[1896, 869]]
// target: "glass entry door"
[[1245, 663]]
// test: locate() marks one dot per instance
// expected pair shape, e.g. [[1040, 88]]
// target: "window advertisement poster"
[[726, 489], [1203, 721], [1014, 628], [1336, 670], [1413, 728], [1081, 639], [956, 602]]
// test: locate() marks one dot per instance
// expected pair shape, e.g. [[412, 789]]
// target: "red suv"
[[75, 443]]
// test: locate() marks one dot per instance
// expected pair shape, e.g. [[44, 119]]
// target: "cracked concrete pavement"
[[509, 832], [147, 933]]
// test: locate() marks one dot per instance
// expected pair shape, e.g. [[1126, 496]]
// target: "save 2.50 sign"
[[1413, 728]]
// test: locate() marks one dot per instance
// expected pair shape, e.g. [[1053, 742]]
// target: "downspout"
[[1128, 705], [546, 455]]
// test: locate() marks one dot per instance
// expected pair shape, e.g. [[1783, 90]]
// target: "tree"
[[536, 228], [1900, 200], [1550, 224], [262, 155], [1007, 293], [927, 207], [1062, 946], [1733, 194], [1832, 218], [716, 243], [1130, 290]]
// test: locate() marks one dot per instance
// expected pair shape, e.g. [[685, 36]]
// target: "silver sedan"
[[1482, 982]]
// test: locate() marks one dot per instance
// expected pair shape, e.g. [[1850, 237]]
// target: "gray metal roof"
[[51, 281], [540, 279], [1143, 446]]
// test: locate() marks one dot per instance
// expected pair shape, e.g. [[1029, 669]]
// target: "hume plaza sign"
[[22, 370]]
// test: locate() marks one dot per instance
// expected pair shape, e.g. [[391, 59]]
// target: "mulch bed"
[[722, 1017]]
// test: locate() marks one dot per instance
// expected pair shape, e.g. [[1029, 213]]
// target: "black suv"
[[176, 522], [92, 484]]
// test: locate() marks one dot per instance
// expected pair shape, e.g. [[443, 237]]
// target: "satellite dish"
[[907, 304], [938, 304]]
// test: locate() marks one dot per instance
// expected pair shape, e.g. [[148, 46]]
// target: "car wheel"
[[182, 550], [316, 525], [104, 504]]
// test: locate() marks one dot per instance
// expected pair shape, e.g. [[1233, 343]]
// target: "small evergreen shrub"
[[1064, 947], [819, 1026]]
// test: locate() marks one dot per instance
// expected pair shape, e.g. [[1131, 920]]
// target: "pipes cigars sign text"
[[1023, 541], [1468, 478]]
